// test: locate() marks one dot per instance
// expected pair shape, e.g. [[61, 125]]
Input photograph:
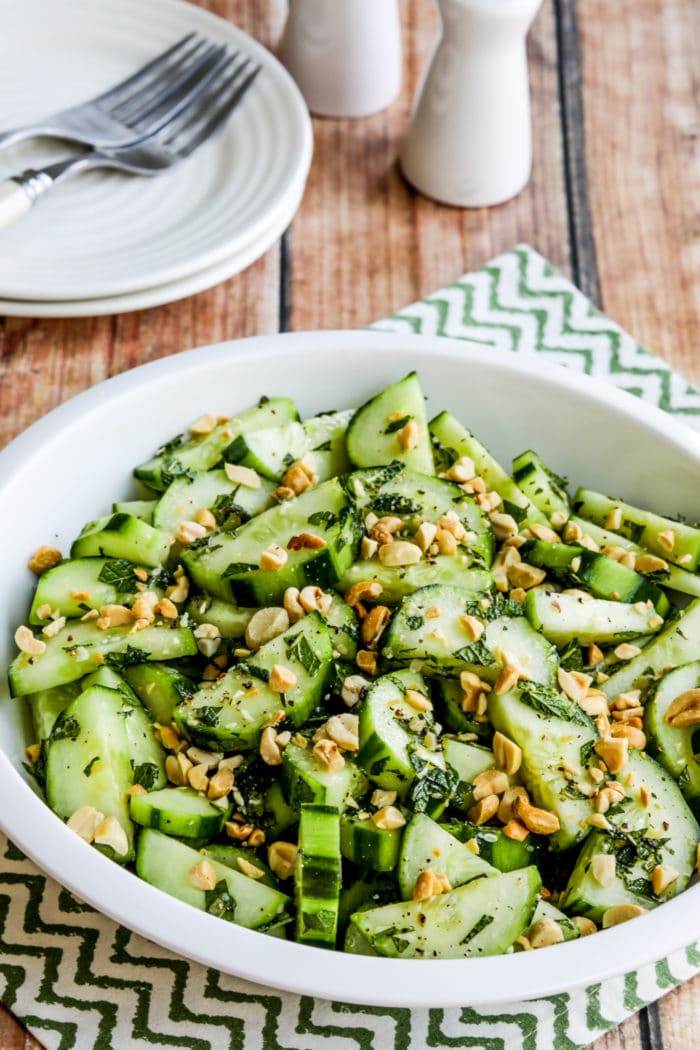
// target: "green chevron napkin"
[[78, 980]]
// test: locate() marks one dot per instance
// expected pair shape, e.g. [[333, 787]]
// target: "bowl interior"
[[72, 465]]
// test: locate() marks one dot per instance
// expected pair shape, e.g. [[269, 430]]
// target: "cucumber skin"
[[162, 810], [672, 747], [317, 877], [368, 450], [369, 847]]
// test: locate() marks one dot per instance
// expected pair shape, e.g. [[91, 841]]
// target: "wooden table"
[[613, 202]]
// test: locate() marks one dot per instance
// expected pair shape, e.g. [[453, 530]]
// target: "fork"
[[172, 144], [137, 106]]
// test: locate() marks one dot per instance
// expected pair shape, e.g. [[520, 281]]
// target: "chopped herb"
[[323, 919], [236, 568], [130, 656], [432, 785], [518, 514], [147, 774], [394, 503], [288, 460], [89, 768], [171, 445], [552, 704], [324, 447], [208, 716], [229, 514], [414, 622], [323, 517], [398, 424], [173, 470], [477, 653], [477, 928], [571, 657], [492, 606], [120, 574], [65, 728], [219, 901], [301, 650], [256, 672]]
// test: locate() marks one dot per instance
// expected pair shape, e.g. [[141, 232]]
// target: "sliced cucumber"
[[123, 536], [497, 849], [277, 816], [88, 761], [605, 578], [392, 733], [451, 441], [485, 917], [344, 629], [232, 711], [178, 811], [673, 745], [307, 781], [399, 581], [269, 452], [468, 761], [47, 705], [230, 503], [159, 688], [166, 862], [230, 619], [546, 910], [557, 739], [139, 508], [325, 437], [429, 627], [641, 526], [185, 455], [639, 838], [80, 584], [564, 617], [317, 876], [428, 847], [228, 565], [370, 847], [376, 433], [540, 484], [676, 644], [448, 692], [240, 858], [80, 648]]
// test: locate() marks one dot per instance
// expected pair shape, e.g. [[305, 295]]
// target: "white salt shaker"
[[469, 143], [345, 55]]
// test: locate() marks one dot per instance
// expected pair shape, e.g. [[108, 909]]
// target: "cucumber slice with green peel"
[[392, 733], [80, 648], [677, 643], [307, 781], [242, 859], [672, 746], [230, 619], [77, 585], [545, 910], [428, 847], [396, 491], [88, 761], [178, 811], [344, 629], [277, 816], [605, 578], [325, 437], [429, 629], [230, 502], [451, 441], [186, 454], [369, 847], [494, 847], [561, 618], [674, 578], [557, 739], [484, 917], [123, 536], [228, 565], [448, 693], [138, 508], [642, 526], [376, 433], [355, 943], [230, 713], [545, 489], [111, 680], [269, 452], [47, 705], [317, 876], [160, 688], [166, 862], [640, 837], [399, 581], [468, 761]]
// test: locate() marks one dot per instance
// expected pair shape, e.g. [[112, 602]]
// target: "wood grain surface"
[[613, 202]]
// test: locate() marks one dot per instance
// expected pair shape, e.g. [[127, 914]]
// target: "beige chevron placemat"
[[78, 980]]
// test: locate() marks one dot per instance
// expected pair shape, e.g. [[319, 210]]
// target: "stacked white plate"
[[104, 242]]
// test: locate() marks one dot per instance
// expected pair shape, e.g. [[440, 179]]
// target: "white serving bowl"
[[73, 464]]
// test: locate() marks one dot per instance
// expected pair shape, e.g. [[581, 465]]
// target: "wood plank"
[[13, 1036], [642, 124], [44, 362], [364, 244]]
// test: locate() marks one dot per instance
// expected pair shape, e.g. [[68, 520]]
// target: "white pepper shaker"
[[345, 55], [469, 143]]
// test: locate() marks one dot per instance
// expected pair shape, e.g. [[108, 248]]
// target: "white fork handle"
[[14, 202]]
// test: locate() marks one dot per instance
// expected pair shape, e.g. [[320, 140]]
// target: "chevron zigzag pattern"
[[78, 980]]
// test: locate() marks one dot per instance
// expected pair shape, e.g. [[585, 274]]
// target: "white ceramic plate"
[[162, 293], [595, 433], [104, 234]]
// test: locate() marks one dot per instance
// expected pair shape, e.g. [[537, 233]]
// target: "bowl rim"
[[285, 965]]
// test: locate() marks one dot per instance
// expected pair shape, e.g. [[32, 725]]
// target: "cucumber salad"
[[349, 681]]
